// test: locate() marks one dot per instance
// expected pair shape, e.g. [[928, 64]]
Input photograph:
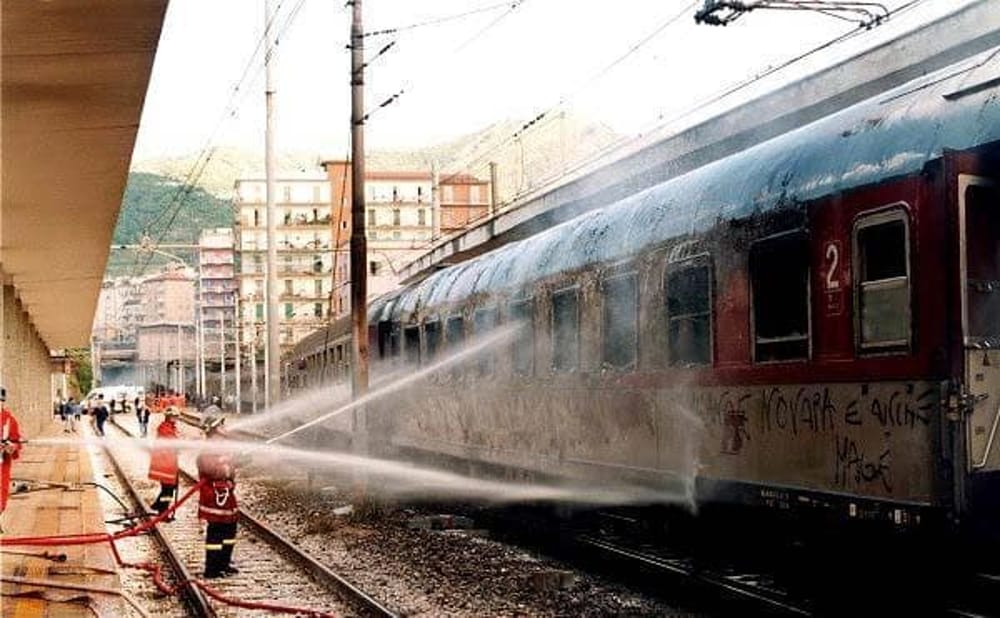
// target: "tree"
[[82, 376]]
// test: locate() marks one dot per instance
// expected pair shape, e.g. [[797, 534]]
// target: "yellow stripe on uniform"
[[229, 541], [213, 547]]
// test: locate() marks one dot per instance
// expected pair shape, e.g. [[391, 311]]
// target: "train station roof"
[[74, 76]]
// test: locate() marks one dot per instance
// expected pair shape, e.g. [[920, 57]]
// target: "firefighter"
[[163, 461], [217, 503], [10, 449]]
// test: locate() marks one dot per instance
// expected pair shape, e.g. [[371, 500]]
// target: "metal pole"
[[359, 252], [273, 344], [494, 202], [178, 386], [435, 201], [222, 355], [253, 370], [197, 342], [238, 325]]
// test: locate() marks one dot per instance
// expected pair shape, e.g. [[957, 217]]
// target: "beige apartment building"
[[305, 257], [166, 341]]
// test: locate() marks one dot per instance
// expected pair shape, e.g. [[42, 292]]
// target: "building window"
[[288, 217], [621, 317], [474, 194], [395, 216], [779, 279], [288, 287], [318, 288], [256, 218], [420, 194], [432, 335], [565, 330], [286, 192], [374, 267], [289, 310], [317, 310], [688, 303], [448, 194], [317, 194], [883, 281], [422, 216], [259, 311], [395, 195], [371, 217], [397, 235]]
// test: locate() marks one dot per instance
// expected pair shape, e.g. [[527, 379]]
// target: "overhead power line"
[[436, 21], [172, 207]]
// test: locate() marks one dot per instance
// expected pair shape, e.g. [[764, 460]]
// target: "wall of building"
[[26, 370]]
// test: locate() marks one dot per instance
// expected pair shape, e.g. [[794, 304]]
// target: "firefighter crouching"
[[217, 503], [163, 461]]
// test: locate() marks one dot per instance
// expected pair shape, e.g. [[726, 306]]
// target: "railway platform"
[[60, 499]]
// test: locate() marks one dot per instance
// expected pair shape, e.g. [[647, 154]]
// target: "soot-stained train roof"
[[891, 135]]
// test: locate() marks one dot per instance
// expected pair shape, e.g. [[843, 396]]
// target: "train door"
[[979, 220]]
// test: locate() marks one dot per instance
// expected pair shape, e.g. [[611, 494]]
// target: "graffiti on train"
[[857, 421]]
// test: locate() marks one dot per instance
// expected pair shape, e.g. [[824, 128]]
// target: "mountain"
[[157, 202], [550, 146]]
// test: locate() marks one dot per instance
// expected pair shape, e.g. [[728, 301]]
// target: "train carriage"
[[811, 323]]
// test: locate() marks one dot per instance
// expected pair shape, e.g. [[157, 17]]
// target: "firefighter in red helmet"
[[217, 502]]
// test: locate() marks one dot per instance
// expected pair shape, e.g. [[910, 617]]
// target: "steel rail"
[[704, 577], [194, 597], [323, 574]]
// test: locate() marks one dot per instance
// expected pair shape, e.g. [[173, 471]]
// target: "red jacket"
[[9, 430], [163, 460], [217, 500]]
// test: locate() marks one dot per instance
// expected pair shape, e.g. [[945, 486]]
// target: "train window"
[[688, 287], [455, 330], [523, 348], [779, 280], [883, 282], [384, 339], [565, 330], [982, 264], [483, 321], [432, 335], [411, 345], [621, 317]]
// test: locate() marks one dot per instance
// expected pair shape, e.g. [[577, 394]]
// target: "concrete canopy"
[[74, 76]]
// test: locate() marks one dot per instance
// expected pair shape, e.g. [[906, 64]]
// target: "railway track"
[[272, 568]]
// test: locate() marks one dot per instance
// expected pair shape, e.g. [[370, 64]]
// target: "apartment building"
[[304, 239], [403, 215]]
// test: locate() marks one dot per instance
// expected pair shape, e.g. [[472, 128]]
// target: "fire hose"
[[154, 569]]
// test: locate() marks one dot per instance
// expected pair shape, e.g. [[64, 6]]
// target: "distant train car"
[[811, 323]]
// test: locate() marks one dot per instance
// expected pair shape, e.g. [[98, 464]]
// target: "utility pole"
[[238, 325], [359, 249], [435, 201], [273, 350], [253, 370], [494, 202], [222, 355]]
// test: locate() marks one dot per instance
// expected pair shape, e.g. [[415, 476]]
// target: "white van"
[[118, 394]]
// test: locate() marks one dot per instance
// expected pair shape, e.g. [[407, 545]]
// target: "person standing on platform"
[[163, 461], [100, 415], [10, 449], [217, 502], [214, 409], [142, 415], [71, 414]]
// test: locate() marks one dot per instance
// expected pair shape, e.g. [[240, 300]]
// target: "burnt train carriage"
[[810, 322]]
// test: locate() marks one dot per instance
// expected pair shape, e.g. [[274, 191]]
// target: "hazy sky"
[[462, 75]]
